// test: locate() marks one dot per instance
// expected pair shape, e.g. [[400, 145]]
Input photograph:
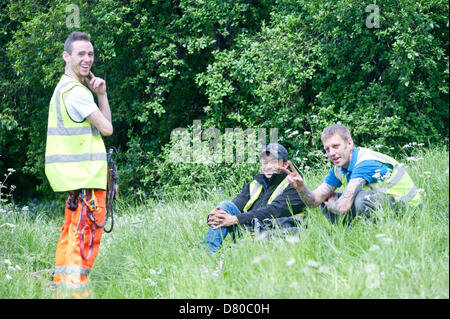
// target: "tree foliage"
[[295, 65]]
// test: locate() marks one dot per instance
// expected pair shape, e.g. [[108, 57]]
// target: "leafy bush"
[[317, 63], [296, 66]]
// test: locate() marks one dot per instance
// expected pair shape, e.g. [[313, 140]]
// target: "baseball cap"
[[276, 150]]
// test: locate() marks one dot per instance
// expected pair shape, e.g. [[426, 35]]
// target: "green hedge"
[[292, 65]]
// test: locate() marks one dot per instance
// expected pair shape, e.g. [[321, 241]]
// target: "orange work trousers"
[[78, 246]]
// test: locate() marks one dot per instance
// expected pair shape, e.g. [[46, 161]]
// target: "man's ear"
[[350, 142], [66, 56]]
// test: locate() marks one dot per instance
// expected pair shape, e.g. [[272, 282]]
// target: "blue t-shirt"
[[372, 171]]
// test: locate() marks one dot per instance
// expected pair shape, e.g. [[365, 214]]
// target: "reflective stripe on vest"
[[71, 270], [256, 188], [75, 155], [399, 184]]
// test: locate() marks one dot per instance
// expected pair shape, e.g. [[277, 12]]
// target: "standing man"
[[369, 179], [75, 162], [268, 195]]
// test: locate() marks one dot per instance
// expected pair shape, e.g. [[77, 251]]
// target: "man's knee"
[[228, 207], [366, 201]]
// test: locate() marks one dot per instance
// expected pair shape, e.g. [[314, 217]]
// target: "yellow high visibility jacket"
[[256, 188], [399, 184], [75, 155]]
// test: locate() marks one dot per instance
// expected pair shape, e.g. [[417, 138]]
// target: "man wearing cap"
[[268, 195]]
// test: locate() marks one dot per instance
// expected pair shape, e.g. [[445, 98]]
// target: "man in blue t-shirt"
[[354, 200]]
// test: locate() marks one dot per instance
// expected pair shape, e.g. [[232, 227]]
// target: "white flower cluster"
[[11, 269]]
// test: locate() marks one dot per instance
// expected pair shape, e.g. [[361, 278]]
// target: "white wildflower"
[[387, 175], [427, 173], [258, 259], [373, 276], [25, 208], [293, 134], [11, 170], [154, 272], [293, 284], [307, 271], [306, 132], [290, 262], [292, 239], [377, 176], [8, 224], [415, 159], [151, 282], [18, 267], [324, 270], [11, 268], [399, 266], [313, 263], [8, 262], [374, 248], [8, 277]]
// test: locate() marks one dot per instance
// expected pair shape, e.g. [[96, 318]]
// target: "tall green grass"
[[154, 250]]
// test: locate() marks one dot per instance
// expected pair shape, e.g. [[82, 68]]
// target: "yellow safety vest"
[[399, 184], [256, 188], [75, 155]]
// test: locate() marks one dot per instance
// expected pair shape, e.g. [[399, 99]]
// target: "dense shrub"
[[291, 65]]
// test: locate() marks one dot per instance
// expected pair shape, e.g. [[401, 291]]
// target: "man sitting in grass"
[[369, 179], [269, 195]]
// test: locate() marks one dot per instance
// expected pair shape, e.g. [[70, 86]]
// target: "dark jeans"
[[366, 201], [214, 238]]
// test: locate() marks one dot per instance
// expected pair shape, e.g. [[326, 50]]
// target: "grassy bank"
[[154, 251]]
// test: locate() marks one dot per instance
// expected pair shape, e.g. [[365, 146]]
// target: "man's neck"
[[72, 75], [346, 166]]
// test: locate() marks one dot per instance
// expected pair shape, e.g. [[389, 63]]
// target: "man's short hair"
[[75, 36], [336, 129]]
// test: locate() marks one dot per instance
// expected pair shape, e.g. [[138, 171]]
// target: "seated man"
[[369, 179], [269, 195]]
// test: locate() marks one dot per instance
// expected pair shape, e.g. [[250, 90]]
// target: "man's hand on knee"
[[219, 218]]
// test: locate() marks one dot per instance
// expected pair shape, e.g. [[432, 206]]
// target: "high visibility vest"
[[75, 155], [399, 184], [256, 188]]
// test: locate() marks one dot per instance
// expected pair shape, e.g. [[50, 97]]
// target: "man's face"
[[271, 165], [79, 63], [338, 150]]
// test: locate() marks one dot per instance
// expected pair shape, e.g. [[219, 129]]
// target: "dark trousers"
[[366, 201]]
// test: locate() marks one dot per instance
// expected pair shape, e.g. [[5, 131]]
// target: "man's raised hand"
[[293, 177], [97, 85]]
